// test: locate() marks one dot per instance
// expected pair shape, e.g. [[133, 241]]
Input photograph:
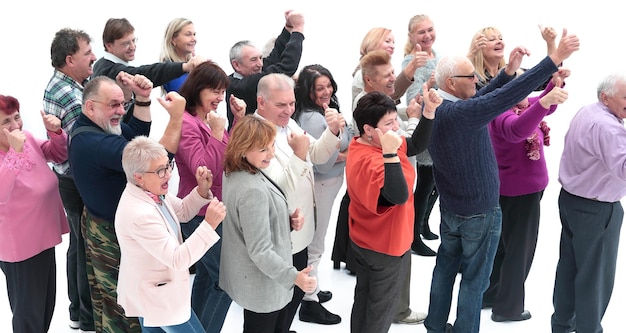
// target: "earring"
[[369, 138]]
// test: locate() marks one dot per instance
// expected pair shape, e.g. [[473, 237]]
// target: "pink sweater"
[[32, 218]]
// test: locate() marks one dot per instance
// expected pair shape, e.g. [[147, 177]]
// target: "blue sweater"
[[96, 164], [465, 168]]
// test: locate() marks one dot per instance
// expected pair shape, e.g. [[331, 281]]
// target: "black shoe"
[[429, 235], [314, 312], [487, 305], [422, 249], [336, 264], [449, 328], [324, 296], [523, 316]]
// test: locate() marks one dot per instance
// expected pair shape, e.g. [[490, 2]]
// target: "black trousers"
[[514, 257], [424, 200], [31, 287], [342, 250], [300, 261], [77, 284]]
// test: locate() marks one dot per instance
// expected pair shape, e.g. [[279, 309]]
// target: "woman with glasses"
[[153, 282], [32, 218]]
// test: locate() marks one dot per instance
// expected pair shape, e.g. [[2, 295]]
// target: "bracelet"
[[392, 155], [138, 103]]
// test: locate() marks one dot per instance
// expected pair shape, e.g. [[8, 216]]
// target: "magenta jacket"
[[198, 147], [32, 218]]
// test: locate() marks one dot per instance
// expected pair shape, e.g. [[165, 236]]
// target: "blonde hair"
[[409, 47], [168, 52], [479, 59], [371, 42]]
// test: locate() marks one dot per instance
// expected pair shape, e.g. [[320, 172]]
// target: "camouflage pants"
[[103, 263]]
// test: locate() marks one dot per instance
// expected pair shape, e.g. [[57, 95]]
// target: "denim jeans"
[[208, 300], [468, 244], [192, 325]]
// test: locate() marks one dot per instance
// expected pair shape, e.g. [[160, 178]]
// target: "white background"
[[333, 36]]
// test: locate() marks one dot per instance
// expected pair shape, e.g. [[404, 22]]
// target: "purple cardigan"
[[198, 147], [32, 218], [519, 174]]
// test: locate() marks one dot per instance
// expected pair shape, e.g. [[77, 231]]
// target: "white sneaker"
[[74, 324], [413, 318]]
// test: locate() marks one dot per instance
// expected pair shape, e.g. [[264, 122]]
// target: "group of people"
[[257, 187]]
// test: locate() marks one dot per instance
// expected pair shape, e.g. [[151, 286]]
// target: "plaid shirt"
[[63, 98]]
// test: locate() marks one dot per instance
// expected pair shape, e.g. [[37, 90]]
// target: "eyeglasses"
[[114, 105], [127, 43], [470, 76], [161, 172]]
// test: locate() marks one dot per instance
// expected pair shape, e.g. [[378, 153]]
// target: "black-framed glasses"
[[161, 172], [114, 105], [470, 76]]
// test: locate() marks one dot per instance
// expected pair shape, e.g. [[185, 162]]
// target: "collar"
[[111, 57], [237, 76], [158, 199], [447, 96]]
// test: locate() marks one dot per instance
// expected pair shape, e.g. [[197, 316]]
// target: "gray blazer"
[[256, 268]]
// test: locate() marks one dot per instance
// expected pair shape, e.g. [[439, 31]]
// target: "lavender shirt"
[[593, 164]]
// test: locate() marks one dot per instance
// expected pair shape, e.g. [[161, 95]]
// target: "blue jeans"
[[192, 325], [468, 244], [208, 300]]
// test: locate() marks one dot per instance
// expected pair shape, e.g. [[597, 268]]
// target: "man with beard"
[[98, 140]]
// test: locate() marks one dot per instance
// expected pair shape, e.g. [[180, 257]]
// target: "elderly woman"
[[379, 176], [518, 136], [32, 218], [316, 91], [256, 268], [203, 143], [153, 281]]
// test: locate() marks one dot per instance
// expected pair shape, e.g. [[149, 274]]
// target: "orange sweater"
[[387, 230]]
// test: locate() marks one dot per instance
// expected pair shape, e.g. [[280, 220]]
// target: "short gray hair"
[[138, 154], [447, 67], [235, 50], [609, 84]]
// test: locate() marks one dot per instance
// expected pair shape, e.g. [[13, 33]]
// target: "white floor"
[[538, 287]]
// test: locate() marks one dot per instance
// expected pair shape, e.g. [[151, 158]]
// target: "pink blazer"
[[153, 280]]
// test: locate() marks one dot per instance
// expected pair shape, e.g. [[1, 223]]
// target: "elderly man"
[[592, 176], [250, 66], [98, 140], [72, 57], [466, 175], [292, 169]]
